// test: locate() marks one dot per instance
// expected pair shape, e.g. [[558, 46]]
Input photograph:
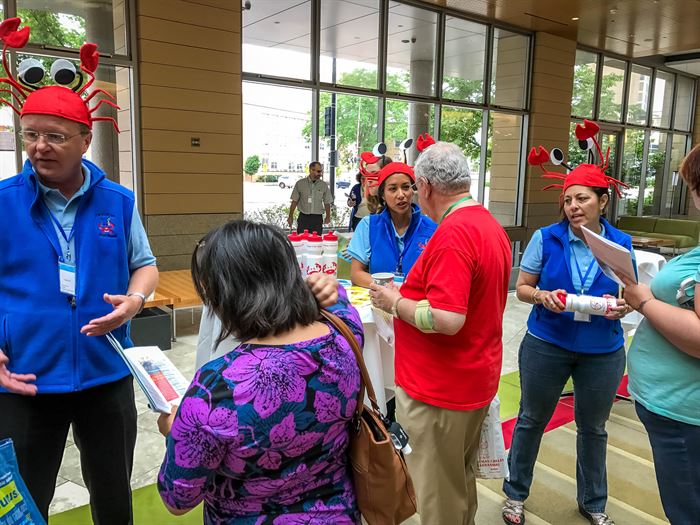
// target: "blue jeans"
[[544, 370], [676, 449]]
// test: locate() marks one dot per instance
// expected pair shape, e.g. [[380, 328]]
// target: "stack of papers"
[[614, 260]]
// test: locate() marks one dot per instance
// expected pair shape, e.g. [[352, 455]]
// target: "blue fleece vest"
[[385, 255], [39, 325], [600, 335]]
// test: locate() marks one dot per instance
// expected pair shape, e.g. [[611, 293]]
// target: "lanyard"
[[59, 227], [580, 274], [460, 201]]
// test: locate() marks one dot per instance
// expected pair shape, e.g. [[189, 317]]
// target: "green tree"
[[54, 29], [584, 91], [252, 165]]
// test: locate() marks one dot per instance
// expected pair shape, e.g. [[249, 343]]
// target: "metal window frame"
[[437, 100], [648, 127]]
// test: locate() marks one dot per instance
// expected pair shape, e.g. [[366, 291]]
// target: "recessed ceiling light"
[[574, 18], [613, 11], [400, 25], [648, 39], [356, 37], [631, 35], [277, 22], [405, 41]]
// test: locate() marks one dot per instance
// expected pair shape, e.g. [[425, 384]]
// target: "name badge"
[[585, 318], [66, 277], [310, 200]]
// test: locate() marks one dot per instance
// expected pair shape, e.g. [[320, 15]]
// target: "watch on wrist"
[[141, 296], [642, 304]]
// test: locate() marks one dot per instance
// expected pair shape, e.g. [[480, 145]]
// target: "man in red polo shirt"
[[449, 316]]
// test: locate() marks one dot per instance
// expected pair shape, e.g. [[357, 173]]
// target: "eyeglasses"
[[29, 136]]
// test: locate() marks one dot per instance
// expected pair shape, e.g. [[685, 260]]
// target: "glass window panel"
[[684, 101], [611, 89], [674, 183], [8, 166], [663, 97], [464, 127], [355, 130], [632, 157], [503, 166], [411, 49], [638, 98], [464, 62], [276, 38], [350, 42], [654, 178], [585, 71], [403, 120], [70, 24], [276, 128], [509, 68]]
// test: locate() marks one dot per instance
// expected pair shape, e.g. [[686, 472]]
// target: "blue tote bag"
[[16, 504]]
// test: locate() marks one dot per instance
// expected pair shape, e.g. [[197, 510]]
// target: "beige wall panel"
[[179, 244], [174, 262], [176, 55], [191, 35], [551, 107], [163, 204], [542, 120], [221, 4], [188, 99], [551, 93], [181, 141], [190, 13], [552, 68], [197, 79], [179, 120], [191, 183], [544, 79], [166, 162], [186, 224]]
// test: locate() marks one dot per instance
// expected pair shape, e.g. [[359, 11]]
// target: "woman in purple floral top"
[[262, 433]]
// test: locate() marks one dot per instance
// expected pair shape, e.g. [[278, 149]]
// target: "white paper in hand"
[[162, 383], [614, 260]]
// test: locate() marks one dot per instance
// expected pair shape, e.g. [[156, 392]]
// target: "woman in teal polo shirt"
[[664, 370]]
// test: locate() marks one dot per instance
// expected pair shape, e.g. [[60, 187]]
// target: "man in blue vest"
[[74, 264]]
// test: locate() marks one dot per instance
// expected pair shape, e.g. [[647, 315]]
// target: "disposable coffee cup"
[[383, 278]]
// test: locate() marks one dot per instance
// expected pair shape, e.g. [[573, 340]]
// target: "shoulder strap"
[[365, 382]]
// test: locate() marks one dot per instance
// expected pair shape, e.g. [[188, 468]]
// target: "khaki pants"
[[442, 464]]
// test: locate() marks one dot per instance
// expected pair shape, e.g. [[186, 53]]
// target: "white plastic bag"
[[492, 461]]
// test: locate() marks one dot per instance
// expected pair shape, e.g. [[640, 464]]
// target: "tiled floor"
[[150, 445]]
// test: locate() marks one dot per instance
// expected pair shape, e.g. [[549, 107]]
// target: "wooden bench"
[[175, 290]]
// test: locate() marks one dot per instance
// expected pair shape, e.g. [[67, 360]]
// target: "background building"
[[203, 84]]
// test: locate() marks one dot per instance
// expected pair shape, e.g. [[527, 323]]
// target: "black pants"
[[104, 428], [313, 223]]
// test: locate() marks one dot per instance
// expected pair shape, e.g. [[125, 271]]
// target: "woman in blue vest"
[[560, 345], [391, 240]]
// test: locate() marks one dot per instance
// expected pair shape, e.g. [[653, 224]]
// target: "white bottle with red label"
[[587, 304], [313, 254], [330, 253], [298, 245]]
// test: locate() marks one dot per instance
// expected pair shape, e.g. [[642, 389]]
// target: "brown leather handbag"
[[383, 486]]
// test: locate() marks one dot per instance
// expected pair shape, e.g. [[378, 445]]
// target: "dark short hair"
[[315, 163], [247, 274], [690, 169]]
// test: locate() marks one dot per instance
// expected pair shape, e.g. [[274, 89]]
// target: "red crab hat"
[[592, 175], [68, 98], [392, 169]]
